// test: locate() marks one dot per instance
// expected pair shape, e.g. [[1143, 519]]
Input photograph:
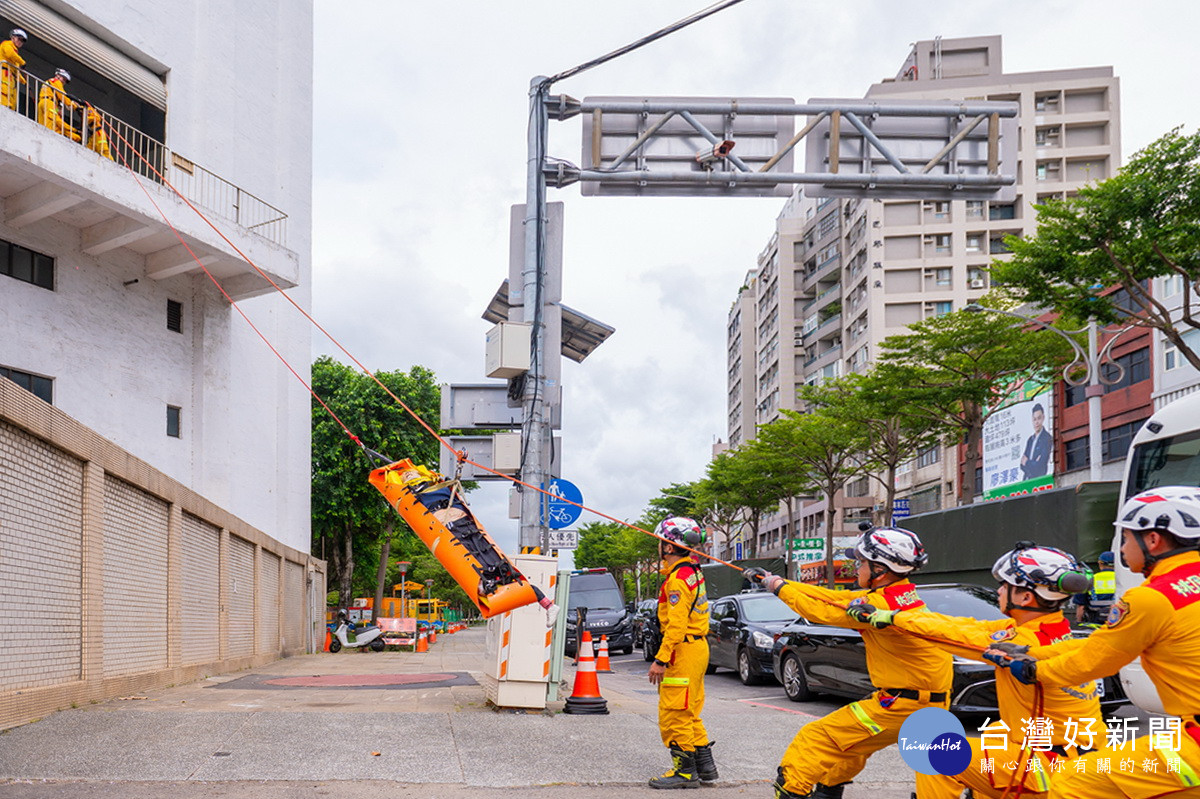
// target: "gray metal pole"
[[532, 531], [1094, 392]]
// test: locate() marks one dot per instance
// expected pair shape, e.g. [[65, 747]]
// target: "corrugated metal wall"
[[240, 601], [295, 629], [268, 606], [200, 617]]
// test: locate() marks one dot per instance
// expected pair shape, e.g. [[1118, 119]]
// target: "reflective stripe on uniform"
[[676, 680], [1187, 774], [861, 716]]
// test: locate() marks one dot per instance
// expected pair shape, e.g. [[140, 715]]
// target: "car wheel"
[[794, 683], [746, 669], [647, 652], [711, 669]]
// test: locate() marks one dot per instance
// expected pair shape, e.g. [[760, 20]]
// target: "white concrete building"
[[104, 310], [1174, 377]]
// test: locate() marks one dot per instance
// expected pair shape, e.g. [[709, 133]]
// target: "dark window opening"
[[175, 316], [1077, 453], [40, 387], [1136, 365], [1115, 441], [174, 421], [26, 265]]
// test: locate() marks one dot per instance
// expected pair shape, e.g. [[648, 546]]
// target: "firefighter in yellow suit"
[[1035, 583], [10, 67], [1159, 621], [908, 672], [682, 658], [53, 103], [97, 137]]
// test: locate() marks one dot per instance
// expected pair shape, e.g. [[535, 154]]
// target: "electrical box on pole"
[[507, 350]]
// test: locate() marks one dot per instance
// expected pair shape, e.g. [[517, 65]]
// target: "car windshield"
[[962, 600], [598, 599], [766, 608]]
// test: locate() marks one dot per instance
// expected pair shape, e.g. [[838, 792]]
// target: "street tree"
[[1143, 223], [956, 369], [823, 447], [782, 477], [350, 519], [892, 431], [738, 492]]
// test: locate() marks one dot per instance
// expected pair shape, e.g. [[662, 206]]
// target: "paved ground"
[[421, 728]]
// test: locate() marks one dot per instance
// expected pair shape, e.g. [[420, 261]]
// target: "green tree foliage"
[[956, 369], [350, 517], [822, 447], [771, 458], [891, 432], [1142, 223], [738, 494]]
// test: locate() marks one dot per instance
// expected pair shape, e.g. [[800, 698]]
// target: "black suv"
[[742, 629], [607, 614], [645, 628]]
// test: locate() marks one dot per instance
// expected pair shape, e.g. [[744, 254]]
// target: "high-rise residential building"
[[865, 269]]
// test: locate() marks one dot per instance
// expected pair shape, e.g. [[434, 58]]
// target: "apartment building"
[[865, 269]]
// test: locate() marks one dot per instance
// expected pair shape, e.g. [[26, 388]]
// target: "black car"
[[742, 630], [596, 590], [645, 628], [812, 658]]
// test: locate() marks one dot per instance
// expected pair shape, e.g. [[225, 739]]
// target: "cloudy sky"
[[420, 113]]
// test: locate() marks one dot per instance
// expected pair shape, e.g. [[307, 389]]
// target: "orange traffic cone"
[[432, 635], [602, 664], [328, 638], [422, 645], [586, 699]]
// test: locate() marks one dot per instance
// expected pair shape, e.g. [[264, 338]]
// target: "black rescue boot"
[[706, 767], [820, 791], [780, 791], [682, 773]]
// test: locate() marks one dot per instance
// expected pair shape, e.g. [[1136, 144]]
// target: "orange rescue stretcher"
[[435, 510]]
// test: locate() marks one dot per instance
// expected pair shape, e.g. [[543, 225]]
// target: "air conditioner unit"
[[978, 283]]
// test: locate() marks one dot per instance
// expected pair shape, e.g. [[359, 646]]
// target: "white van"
[[1165, 452]]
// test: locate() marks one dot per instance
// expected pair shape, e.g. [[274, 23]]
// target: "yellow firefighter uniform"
[[10, 64], [1071, 718], [1159, 621], [683, 619], [52, 103], [910, 674], [97, 136]]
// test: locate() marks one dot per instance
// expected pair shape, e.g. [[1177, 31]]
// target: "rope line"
[[460, 455]]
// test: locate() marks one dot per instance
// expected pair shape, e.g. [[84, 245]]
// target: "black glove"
[[869, 614]]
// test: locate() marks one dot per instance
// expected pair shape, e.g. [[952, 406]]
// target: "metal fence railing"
[[46, 103]]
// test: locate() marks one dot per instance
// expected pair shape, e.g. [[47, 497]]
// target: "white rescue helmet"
[[62, 73], [17, 33], [894, 547], [1050, 573], [1174, 509], [681, 530]]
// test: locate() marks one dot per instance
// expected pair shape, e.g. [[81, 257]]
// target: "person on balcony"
[[97, 135], [10, 67], [54, 105]]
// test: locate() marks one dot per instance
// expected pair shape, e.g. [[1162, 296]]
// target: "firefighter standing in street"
[[1035, 583], [1159, 621], [682, 658], [10, 67], [909, 673]]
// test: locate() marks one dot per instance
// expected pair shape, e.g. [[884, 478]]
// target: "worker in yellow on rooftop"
[[97, 135], [54, 105], [10, 67]]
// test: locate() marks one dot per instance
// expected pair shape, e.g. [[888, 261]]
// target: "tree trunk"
[[830, 511], [790, 528], [381, 575], [974, 422], [889, 508], [345, 592]]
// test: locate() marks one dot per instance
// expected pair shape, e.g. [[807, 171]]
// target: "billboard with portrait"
[[1018, 445]]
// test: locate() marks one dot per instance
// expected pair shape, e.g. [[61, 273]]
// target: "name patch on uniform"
[[1003, 635], [1117, 613], [691, 580], [673, 597]]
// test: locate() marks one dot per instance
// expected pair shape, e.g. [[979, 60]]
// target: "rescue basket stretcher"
[[434, 508]]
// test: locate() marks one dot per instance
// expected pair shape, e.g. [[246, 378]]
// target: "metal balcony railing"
[[124, 144]]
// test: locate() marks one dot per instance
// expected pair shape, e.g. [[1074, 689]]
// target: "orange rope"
[[461, 456]]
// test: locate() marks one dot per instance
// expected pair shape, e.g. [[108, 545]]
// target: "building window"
[[1136, 365], [941, 244], [929, 456], [943, 308], [1172, 285], [1002, 211], [974, 242], [1172, 359], [974, 209], [944, 277], [1115, 441], [26, 265], [1073, 395], [175, 316], [174, 421], [976, 278], [40, 387], [927, 500], [1077, 453]]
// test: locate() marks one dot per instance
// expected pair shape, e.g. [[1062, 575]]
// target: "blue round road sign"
[[560, 513]]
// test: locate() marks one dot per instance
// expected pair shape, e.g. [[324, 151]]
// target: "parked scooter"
[[346, 636]]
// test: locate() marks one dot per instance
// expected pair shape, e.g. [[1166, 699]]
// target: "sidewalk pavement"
[[401, 724]]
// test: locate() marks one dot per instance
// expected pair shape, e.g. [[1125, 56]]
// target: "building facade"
[[107, 312], [866, 269]]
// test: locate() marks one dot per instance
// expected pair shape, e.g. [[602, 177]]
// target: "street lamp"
[[429, 598], [403, 564], [1091, 360]]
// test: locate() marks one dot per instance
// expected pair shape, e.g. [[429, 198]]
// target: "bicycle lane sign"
[[558, 505]]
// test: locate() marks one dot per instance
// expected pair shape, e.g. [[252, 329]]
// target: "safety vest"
[[1104, 586]]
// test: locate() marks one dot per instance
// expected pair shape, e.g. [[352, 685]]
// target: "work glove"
[[764, 578], [1006, 650], [1014, 658], [869, 614]]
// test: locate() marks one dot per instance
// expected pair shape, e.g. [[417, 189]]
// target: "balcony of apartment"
[[826, 296], [83, 167], [824, 271], [823, 353]]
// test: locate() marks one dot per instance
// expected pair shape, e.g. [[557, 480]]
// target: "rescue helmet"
[[681, 530], [1050, 573], [1106, 559], [17, 33], [62, 73], [894, 547], [1170, 509]]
